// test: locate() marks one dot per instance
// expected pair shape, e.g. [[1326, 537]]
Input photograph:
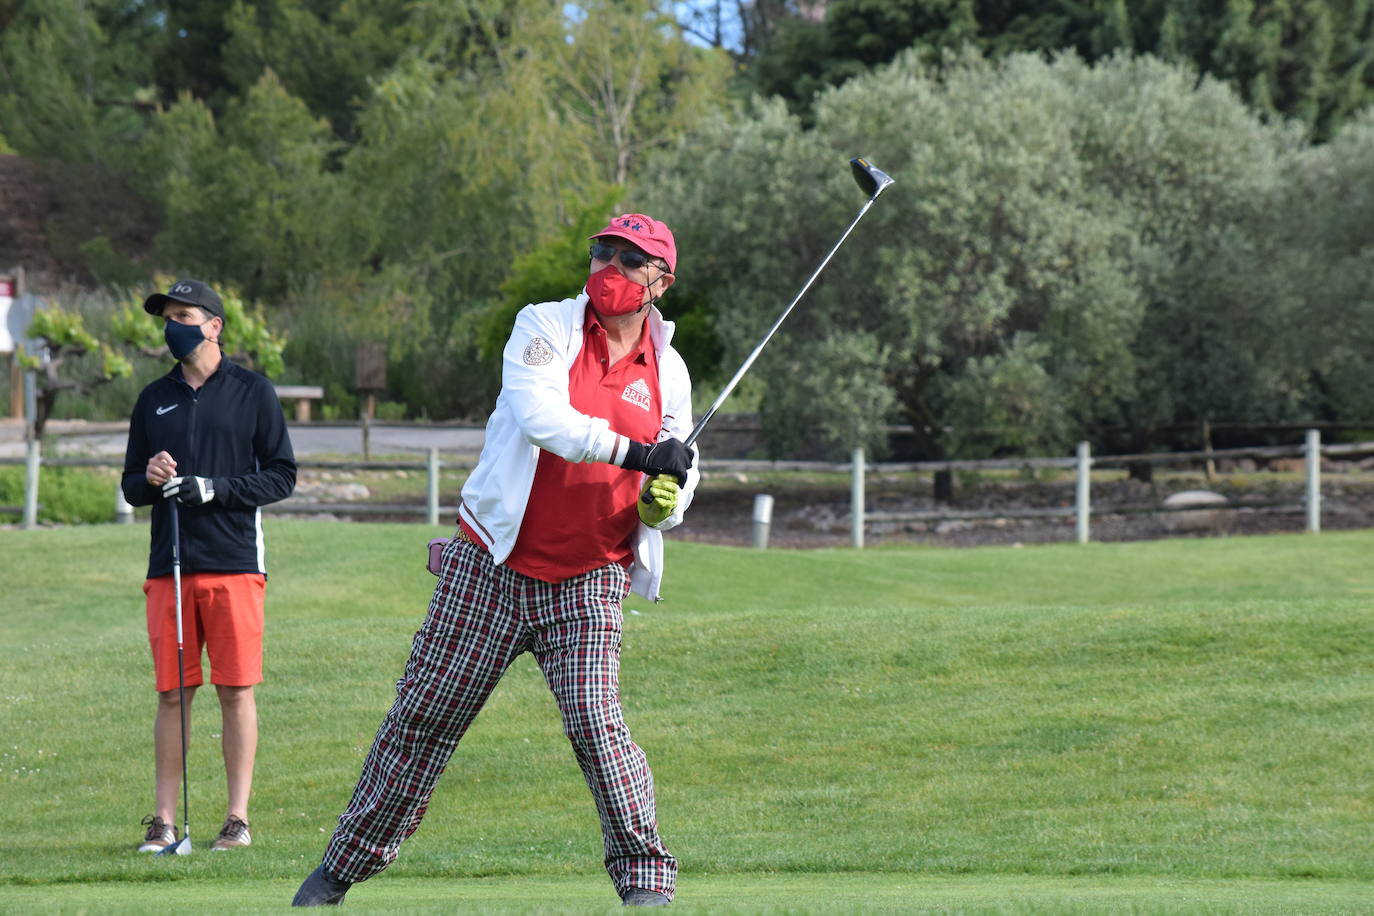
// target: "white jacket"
[[533, 412]]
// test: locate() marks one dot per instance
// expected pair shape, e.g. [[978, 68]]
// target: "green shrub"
[[391, 410], [339, 403], [65, 495]]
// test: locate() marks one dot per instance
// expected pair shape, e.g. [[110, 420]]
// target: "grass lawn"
[[1160, 726]]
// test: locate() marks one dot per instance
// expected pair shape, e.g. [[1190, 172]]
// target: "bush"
[[391, 410], [65, 495]]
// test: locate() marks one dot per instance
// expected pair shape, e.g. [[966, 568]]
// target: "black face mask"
[[182, 338]]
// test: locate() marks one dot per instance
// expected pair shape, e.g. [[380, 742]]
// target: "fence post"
[[856, 499], [31, 467], [763, 518], [432, 487], [34, 461], [1211, 465], [1084, 466], [1314, 481]]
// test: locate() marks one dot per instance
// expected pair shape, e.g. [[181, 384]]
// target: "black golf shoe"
[[321, 890], [638, 896]]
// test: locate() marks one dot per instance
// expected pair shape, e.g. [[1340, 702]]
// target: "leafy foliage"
[[64, 339], [323, 53], [631, 78], [66, 496], [1069, 249], [1110, 217], [1308, 60], [244, 198]]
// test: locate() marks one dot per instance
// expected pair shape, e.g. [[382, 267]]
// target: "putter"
[[183, 846], [872, 181]]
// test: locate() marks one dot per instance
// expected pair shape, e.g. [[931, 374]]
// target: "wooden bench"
[[302, 395]]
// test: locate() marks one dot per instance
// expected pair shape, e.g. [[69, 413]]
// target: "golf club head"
[[871, 180], [180, 848]]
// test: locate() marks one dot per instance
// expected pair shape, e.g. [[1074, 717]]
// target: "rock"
[[321, 492], [1201, 511], [1193, 499]]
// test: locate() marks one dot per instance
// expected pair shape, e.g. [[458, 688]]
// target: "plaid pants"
[[481, 618]]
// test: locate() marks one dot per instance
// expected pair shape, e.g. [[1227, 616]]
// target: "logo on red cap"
[[654, 237]]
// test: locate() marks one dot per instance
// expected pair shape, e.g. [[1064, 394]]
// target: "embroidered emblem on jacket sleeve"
[[537, 353]]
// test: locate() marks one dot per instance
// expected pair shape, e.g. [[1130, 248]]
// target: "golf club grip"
[[176, 532], [645, 498]]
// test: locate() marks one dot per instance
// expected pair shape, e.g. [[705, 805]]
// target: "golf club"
[[872, 181], [183, 846]]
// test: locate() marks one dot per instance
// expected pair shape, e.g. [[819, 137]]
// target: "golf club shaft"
[[181, 670], [729, 388]]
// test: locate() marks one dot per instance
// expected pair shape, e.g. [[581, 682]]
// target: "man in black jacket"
[[211, 435]]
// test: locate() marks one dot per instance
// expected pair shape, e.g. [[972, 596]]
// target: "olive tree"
[[991, 265], [1328, 248]]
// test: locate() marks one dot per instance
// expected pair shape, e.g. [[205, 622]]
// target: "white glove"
[[190, 491]]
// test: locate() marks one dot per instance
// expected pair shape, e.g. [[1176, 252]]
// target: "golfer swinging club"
[[209, 434], [552, 536]]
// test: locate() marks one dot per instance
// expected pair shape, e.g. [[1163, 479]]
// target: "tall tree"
[[741, 27], [245, 194], [324, 53], [1322, 252], [1068, 248], [1311, 60], [76, 97], [632, 80]]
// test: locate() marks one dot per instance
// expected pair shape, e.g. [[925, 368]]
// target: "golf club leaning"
[[872, 181], [183, 846]]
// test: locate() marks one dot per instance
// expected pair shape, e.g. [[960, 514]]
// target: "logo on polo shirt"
[[537, 353], [637, 393]]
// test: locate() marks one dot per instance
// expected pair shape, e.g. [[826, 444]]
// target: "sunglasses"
[[633, 260]]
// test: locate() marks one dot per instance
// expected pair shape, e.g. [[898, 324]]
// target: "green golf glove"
[[663, 492]]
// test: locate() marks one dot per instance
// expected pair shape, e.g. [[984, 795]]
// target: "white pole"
[[432, 488], [763, 518], [33, 462], [124, 513], [856, 499], [1314, 481], [31, 467], [1084, 466]]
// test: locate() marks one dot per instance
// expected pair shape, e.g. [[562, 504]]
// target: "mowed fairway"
[[1177, 726]]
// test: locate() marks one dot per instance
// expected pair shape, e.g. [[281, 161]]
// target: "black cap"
[[191, 292]]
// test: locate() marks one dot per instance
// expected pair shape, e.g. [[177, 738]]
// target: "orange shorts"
[[221, 612]]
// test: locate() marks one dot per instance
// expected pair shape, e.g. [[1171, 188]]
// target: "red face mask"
[[613, 294]]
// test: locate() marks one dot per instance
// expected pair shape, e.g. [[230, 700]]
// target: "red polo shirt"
[[580, 516]]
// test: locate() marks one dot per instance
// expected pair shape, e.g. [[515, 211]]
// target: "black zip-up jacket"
[[232, 430]]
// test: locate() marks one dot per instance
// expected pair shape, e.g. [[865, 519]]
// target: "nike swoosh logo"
[[163, 410]]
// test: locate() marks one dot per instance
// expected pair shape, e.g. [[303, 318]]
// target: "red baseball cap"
[[653, 237]]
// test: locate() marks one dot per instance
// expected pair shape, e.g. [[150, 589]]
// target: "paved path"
[[104, 439]]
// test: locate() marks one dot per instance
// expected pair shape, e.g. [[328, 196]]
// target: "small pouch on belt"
[[436, 551]]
